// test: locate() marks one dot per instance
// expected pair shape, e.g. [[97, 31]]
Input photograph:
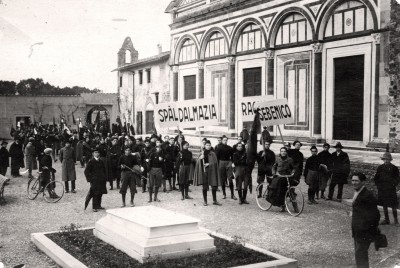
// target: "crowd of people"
[[166, 163]]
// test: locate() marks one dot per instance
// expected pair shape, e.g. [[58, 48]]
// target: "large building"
[[326, 57], [142, 83]]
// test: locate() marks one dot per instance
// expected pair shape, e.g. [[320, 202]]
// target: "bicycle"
[[294, 199], [52, 192]]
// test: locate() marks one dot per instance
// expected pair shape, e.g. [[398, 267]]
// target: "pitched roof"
[[159, 57]]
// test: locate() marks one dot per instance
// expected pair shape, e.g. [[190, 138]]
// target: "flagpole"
[[280, 133]]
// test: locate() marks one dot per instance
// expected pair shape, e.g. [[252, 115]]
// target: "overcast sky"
[[75, 42]]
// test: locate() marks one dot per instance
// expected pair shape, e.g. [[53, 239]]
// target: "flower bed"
[[93, 252]]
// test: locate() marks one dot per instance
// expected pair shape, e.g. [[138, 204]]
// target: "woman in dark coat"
[[206, 173], [95, 173], [17, 158], [386, 180]]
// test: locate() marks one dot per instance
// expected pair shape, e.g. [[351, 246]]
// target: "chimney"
[[159, 48]]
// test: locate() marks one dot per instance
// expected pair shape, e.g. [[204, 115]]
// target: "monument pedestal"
[[150, 232]]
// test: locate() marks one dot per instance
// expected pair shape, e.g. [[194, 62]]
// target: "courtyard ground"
[[319, 237]]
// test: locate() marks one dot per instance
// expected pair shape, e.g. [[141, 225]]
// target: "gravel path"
[[320, 237]]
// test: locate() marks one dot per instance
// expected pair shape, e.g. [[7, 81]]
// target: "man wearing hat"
[[340, 171], [67, 158], [95, 173], [325, 158], [386, 180], [46, 167], [30, 156], [4, 158]]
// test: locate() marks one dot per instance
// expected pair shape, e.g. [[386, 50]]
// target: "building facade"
[[141, 84], [326, 57], [43, 109]]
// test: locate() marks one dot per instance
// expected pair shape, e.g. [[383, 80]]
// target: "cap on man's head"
[[387, 156], [313, 148]]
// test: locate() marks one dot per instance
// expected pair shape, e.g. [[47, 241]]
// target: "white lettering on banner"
[[275, 112], [185, 114]]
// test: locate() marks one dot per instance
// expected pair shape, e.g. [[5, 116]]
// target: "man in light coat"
[[67, 158]]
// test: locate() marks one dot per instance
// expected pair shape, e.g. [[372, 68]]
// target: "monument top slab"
[[150, 216]]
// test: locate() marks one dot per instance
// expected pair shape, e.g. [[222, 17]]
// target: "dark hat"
[[4, 142], [295, 142], [184, 143], [326, 145], [387, 156], [313, 148], [338, 145], [96, 149], [208, 142]]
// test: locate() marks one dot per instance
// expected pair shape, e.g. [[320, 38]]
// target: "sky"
[[75, 42]]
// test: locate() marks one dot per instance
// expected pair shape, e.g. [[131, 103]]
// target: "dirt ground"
[[320, 237]]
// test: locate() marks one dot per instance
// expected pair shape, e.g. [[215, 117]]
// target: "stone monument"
[[150, 232]]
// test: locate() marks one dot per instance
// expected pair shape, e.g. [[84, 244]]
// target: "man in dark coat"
[[386, 180], [365, 219], [95, 173], [311, 175], [325, 158], [46, 167], [114, 154], [224, 154], [298, 159], [239, 159], [67, 158], [4, 158], [340, 171], [17, 158], [266, 160]]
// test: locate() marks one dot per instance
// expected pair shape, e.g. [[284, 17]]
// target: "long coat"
[[67, 158], [386, 180], [30, 156], [4, 157], [17, 156], [95, 173], [211, 173], [340, 167], [365, 218]]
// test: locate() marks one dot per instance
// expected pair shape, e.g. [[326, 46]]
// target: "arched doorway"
[[98, 118]]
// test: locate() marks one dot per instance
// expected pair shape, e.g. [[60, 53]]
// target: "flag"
[[73, 119], [54, 121], [251, 151], [35, 131], [67, 129], [80, 123], [129, 129], [97, 128]]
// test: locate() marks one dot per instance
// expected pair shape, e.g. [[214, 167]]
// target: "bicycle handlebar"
[[281, 176]]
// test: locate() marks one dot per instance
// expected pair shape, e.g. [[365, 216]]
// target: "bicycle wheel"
[[294, 201], [262, 202], [33, 188], [53, 191]]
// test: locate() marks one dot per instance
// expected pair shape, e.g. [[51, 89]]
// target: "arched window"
[[251, 38], [188, 51], [216, 46], [350, 17], [294, 29], [127, 56]]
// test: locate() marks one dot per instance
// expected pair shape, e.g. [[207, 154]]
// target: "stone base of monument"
[[149, 232]]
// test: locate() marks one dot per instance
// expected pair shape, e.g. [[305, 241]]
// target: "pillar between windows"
[[270, 56], [175, 78], [232, 95], [200, 65], [317, 47], [377, 41]]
